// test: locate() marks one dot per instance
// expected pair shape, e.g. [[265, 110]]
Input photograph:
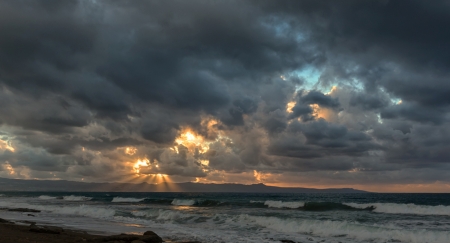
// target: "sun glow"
[[321, 112], [140, 163], [130, 150], [192, 141], [333, 89], [289, 106], [6, 145]]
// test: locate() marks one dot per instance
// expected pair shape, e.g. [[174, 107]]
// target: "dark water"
[[221, 217]]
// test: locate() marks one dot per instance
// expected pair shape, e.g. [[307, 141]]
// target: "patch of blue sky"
[[282, 28], [311, 77]]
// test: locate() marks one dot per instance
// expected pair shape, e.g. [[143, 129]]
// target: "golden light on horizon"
[[8, 168]]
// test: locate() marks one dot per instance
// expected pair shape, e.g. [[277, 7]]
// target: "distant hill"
[[72, 186]]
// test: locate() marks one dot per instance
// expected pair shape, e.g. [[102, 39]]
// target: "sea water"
[[243, 217]]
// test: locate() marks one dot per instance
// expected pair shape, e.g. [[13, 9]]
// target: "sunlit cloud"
[[130, 150], [6, 145], [289, 106], [192, 141], [141, 163]]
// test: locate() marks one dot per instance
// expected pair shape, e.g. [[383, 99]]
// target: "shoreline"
[[30, 232]]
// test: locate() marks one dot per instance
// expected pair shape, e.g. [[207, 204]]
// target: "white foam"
[[85, 210], [127, 199], [348, 231], [76, 198], [82, 210], [252, 201], [166, 215], [45, 197], [281, 204], [183, 202], [394, 208]]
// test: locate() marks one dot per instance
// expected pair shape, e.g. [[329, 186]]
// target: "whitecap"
[[183, 202], [76, 198], [394, 208], [281, 204], [45, 197], [127, 199]]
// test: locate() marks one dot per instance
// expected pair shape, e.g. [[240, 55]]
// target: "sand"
[[32, 233]]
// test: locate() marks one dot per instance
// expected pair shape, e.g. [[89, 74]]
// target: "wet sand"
[[11, 233]]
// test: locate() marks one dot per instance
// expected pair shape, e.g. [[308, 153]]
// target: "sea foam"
[[127, 199], [82, 210], [183, 202], [345, 230], [76, 198], [394, 208], [166, 215], [281, 204], [45, 197]]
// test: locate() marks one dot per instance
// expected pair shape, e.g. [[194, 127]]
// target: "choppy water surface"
[[243, 217]]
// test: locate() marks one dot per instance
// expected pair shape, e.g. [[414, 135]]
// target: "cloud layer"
[[280, 92]]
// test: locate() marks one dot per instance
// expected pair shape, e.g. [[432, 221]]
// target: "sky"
[[297, 93]]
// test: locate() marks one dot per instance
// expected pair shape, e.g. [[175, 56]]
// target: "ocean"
[[243, 217]]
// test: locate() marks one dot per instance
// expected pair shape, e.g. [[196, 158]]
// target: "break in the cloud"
[[312, 93]]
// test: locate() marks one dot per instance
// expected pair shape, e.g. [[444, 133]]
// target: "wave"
[[45, 197], [183, 202], [165, 215], [345, 230], [394, 208], [253, 201], [76, 198], [82, 210], [281, 204], [314, 206], [328, 206], [127, 199]]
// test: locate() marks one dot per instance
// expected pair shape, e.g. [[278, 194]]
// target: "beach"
[[22, 233]]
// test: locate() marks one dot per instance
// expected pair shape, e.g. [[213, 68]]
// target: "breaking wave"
[[327, 206], [394, 208], [312, 206], [76, 198], [165, 215], [281, 204], [45, 197], [183, 202], [82, 210], [346, 230], [127, 199]]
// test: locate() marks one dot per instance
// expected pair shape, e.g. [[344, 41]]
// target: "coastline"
[[30, 232]]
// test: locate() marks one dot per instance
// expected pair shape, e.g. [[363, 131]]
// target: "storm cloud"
[[218, 91]]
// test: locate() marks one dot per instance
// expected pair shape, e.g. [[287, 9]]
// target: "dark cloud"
[[315, 97], [87, 88]]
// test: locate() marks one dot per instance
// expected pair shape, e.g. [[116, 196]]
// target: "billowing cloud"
[[279, 92]]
